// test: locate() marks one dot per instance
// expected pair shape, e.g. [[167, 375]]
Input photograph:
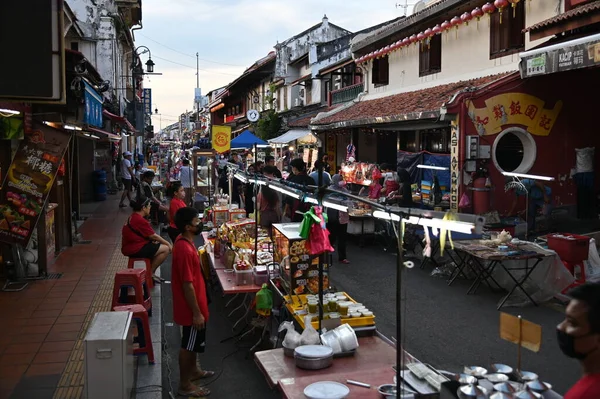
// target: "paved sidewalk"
[[43, 326]]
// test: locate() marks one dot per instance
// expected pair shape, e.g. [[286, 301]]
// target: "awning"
[[120, 120], [336, 66], [104, 134], [580, 53], [293, 135], [302, 79], [576, 18]]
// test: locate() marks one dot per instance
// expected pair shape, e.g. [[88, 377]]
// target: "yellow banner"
[[514, 109], [221, 138]]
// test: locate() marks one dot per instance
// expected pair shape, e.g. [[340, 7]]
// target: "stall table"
[[362, 225], [373, 353], [485, 260]]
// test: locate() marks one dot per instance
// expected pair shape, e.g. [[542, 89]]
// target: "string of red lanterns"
[[426, 35]]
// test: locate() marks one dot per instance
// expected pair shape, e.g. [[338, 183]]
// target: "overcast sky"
[[229, 36]]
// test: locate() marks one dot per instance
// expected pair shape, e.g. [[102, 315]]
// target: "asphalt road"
[[442, 326], [445, 327]]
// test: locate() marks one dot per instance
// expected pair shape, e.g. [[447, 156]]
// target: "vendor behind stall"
[[539, 198], [300, 177], [326, 175], [389, 179], [373, 191], [403, 196]]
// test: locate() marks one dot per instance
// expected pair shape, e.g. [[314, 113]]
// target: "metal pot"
[[472, 392], [287, 351], [313, 363]]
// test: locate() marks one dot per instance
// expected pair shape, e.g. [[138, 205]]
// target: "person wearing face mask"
[[190, 303], [579, 338]]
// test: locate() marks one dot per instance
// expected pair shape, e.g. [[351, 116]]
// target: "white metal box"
[[108, 356]]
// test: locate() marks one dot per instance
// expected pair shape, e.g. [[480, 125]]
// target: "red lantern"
[[455, 22], [501, 5], [413, 39], [405, 41], [514, 4], [489, 9], [428, 33], [477, 13], [446, 26], [437, 29], [466, 17], [386, 50]]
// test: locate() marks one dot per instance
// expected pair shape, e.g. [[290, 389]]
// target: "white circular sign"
[[253, 115]]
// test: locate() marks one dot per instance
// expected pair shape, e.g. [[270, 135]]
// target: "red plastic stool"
[[136, 279], [578, 281], [148, 262], [144, 339]]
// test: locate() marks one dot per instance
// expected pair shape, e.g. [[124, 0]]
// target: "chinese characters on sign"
[[581, 55], [147, 100], [93, 106], [221, 138], [514, 109], [28, 182], [454, 169]]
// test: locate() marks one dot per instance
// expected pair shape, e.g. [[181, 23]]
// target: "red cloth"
[[176, 204], [186, 268], [132, 242], [391, 185], [588, 387], [375, 191]]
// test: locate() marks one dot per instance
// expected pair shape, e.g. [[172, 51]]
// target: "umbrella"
[[247, 140]]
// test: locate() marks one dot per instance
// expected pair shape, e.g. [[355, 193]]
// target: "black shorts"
[[148, 251], [127, 184], [193, 340]]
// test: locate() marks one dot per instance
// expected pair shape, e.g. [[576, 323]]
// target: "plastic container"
[[243, 277], [570, 247], [260, 275], [100, 191]]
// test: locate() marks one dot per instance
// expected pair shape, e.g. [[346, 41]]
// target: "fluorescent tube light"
[[335, 206], [9, 111], [386, 216], [311, 200], [285, 191], [71, 127], [367, 182], [525, 176], [94, 136], [260, 182], [241, 178], [450, 225], [431, 167], [86, 134]]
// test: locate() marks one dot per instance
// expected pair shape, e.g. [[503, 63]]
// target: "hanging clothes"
[[313, 229]]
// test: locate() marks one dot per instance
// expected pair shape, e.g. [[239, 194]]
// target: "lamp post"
[[159, 119], [137, 70]]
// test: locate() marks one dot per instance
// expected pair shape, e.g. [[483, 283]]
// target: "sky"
[[230, 35]]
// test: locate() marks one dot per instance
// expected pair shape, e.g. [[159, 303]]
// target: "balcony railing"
[[345, 94]]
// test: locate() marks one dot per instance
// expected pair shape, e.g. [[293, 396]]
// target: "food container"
[[343, 308], [472, 392], [538, 386], [355, 315], [313, 357], [260, 275], [331, 339], [502, 395], [243, 277], [347, 337], [475, 371], [496, 378], [570, 247], [501, 368], [388, 391], [527, 394], [505, 387]]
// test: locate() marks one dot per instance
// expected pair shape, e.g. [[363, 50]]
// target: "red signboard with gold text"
[[28, 181]]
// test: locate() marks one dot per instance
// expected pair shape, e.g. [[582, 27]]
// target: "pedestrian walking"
[[186, 177], [126, 176], [190, 303], [579, 338]]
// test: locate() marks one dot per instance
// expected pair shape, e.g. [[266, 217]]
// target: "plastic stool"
[[148, 262], [136, 279], [578, 281], [144, 338]]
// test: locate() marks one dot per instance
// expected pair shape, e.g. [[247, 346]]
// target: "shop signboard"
[[93, 106], [454, 165], [221, 138], [577, 54], [28, 182], [147, 100]]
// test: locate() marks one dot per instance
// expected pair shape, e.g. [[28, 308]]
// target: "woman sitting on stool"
[[139, 239]]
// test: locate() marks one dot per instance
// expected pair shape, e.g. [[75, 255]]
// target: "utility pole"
[[197, 89]]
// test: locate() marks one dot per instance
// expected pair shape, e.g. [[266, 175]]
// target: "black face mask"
[[198, 229], [566, 342]]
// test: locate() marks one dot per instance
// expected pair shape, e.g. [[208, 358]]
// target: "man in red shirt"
[[190, 303], [579, 338]]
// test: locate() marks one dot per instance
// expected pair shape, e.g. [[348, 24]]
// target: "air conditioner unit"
[[108, 356]]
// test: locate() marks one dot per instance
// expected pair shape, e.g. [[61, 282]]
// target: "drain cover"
[[53, 276]]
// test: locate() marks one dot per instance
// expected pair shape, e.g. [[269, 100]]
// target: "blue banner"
[[147, 100], [93, 106]]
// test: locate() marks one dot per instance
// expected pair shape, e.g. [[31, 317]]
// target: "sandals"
[[198, 392], [205, 374], [345, 261]]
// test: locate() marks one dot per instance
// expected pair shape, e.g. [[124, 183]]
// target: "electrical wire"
[[192, 67], [186, 54]]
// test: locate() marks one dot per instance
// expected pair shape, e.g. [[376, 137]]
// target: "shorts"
[[148, 251], [193, 340], [127, 184]]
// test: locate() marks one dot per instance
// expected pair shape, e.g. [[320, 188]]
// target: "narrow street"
[[442, 326]]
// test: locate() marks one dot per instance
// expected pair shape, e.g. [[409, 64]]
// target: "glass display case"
[[298, 269], [204, 177]]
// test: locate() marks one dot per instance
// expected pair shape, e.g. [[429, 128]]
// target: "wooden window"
[[430, 56], [381, 71], [507, 37], [75, 46]]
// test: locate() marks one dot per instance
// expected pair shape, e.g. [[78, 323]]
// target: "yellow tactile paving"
[[72, 380]]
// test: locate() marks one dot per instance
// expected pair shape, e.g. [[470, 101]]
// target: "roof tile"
[[425, 100], [581, 10]]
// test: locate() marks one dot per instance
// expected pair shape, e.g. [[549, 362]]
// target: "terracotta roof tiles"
[[421, 101], [575, 12]]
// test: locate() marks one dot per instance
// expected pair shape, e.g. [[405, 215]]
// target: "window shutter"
[[384, 70], [375, 77], [435, 54]]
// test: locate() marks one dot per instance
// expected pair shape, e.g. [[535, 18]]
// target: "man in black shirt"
[[298, 176]]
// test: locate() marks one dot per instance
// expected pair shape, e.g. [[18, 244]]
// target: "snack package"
[[309, 336], [292, 338]]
